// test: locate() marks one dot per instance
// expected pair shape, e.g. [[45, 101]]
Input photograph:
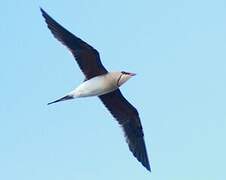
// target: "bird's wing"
[[128, 117], [86, 56]]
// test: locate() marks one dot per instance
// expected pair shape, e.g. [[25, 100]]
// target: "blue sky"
[[176, 47]]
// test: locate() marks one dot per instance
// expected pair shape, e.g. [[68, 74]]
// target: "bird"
[[103, 84]]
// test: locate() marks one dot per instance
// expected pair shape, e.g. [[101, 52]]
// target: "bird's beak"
[[132, 74], [67, 97]]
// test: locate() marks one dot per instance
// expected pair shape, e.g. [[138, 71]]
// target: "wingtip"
[[146, 165], [41, 9], [148, 168]]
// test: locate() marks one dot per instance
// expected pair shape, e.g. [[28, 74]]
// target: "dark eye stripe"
[[123, 72]]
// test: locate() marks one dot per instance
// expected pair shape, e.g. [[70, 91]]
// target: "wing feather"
[[86, 56], [128, 117]]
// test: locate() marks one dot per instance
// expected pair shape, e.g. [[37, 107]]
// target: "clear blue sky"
[[178, 50]]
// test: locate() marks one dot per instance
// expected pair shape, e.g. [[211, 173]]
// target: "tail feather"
[[67, 97]]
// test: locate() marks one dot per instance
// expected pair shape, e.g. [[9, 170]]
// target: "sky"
[[177, 48]]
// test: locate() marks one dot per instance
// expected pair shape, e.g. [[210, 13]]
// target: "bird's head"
[[123, 77]]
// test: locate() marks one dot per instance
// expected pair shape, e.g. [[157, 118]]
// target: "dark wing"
[[86, 56], [128, 117]]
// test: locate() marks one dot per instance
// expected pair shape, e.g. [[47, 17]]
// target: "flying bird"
[[99, 82]]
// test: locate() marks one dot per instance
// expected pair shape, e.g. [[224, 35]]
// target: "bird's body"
[[99, 82], [98, 85]]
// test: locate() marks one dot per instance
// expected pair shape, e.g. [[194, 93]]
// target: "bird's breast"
[[96, 86]]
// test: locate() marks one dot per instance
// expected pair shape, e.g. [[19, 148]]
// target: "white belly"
[[96, 86]]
